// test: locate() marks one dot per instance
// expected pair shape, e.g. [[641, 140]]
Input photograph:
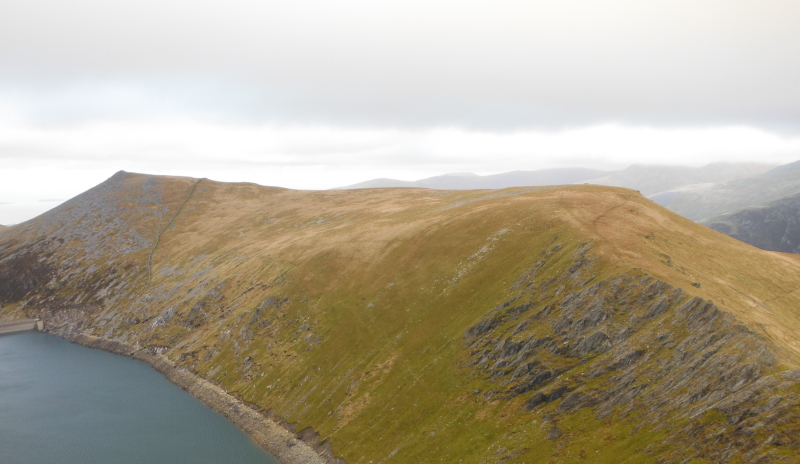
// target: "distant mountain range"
[[648, 180], [701, 202], [755, 203], [469, 181]]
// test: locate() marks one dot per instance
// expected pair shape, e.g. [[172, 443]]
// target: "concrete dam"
[[20, 325]]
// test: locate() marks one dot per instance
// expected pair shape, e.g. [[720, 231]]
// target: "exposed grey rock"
[[650, 350]]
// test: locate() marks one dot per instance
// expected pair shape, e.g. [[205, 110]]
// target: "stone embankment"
[[287, 447], [22, 325]]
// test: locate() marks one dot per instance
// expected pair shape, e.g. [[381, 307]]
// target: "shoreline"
[[271, 435]]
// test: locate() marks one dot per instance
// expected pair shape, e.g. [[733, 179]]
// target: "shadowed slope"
[[546, 324], [773, 226], [705, 201]]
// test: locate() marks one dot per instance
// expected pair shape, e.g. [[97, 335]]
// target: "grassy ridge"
[[350, 311]]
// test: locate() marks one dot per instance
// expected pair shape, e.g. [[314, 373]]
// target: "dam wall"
[[21, 325]]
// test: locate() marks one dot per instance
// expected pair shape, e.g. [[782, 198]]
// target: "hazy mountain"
[[646, 179], [774, 226], [469, 181], [705, 201], [650, 180], [543, 324]]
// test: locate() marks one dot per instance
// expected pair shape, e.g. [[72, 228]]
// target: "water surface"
[[62, 403]]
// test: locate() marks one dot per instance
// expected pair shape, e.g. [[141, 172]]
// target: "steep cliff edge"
[[554, 324]]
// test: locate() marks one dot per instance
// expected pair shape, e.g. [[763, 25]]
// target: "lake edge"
[[272, 436]]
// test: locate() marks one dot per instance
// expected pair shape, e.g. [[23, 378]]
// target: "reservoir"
[[62, 403]]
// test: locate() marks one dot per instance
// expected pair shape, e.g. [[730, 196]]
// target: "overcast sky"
[[308, 94]]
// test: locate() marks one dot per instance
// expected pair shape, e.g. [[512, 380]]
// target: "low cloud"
[[310, 94], [479, 65]]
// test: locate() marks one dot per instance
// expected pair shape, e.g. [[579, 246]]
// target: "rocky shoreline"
[[276, 437]]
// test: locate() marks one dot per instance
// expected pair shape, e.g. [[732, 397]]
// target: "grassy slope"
[[346, 310], [757, 287]]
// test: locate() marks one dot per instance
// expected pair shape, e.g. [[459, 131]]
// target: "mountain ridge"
[[470, 181], [448, 322]]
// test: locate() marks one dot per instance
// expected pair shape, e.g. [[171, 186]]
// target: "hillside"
[[469, 181], [774, 226], [543, 324], [705, 201]]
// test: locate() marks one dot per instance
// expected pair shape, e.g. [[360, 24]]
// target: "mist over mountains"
[[470, 181], [704, 201], [645, 178]]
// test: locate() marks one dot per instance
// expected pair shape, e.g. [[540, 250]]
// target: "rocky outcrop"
[[22, 273], [636, 349]]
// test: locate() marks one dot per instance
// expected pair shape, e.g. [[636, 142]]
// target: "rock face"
[[774, 226], [637, 349], [578, 324]]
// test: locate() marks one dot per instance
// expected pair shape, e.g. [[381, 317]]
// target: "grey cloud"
[[475, 64]]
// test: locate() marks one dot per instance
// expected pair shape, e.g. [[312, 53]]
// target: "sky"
[[320, 94]]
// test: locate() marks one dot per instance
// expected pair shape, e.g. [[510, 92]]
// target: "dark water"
[[62, 403]]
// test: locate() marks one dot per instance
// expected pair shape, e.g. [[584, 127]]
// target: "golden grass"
[[370, 292]]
